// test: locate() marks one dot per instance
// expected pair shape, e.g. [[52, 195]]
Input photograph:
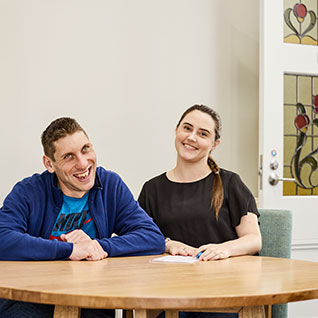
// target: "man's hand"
[[83, 246], [89, 250], [75, 236]]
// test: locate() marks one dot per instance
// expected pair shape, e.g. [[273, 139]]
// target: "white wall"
[[126, 70]]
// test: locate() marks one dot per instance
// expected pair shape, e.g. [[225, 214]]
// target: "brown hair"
[[57, 129], [217, 187]]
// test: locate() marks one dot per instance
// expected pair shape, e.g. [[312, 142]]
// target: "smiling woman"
[[195, 137], [202, 210], [199, 206]]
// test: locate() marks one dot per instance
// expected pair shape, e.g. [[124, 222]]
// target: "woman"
[[198, 206], [202, 210]]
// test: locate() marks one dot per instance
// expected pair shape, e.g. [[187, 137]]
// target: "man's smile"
[[83, 175]]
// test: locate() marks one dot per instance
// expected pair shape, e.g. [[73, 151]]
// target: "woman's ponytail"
[[217, 187]]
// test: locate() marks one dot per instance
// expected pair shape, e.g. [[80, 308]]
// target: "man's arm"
[[21, 222], [137, 234]]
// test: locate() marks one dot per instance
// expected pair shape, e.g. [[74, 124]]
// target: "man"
[[71, 210]]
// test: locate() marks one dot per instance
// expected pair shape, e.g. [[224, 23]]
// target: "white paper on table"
[[175, 259]]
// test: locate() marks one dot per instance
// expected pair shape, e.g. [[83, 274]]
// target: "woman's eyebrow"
[[206, 130], [203, 129]]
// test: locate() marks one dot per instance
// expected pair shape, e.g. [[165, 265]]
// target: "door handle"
[[274, 179]]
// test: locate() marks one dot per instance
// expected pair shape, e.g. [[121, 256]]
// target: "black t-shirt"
[[183, 210]]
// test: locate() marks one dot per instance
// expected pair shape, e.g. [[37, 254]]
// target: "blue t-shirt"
[[74, 215]]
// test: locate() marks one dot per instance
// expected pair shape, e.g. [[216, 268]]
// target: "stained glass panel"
[[301, 134], [300, 22]]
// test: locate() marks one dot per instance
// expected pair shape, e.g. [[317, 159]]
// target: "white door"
[[288, 136]]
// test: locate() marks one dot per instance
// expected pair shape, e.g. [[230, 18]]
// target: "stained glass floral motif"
[[301, 26], [301, 134]]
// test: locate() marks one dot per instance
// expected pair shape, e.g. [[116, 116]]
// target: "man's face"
[[74, 165]]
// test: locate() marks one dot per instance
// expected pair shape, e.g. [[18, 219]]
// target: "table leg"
[[66, 312], [252, 312], [172, 314], [144, 313], [140, 313], [268, 311], [128, 313]]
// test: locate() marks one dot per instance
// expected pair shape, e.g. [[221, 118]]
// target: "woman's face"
[[195, 137]]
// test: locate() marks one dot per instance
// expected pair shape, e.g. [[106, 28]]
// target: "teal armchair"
[[276, 229]]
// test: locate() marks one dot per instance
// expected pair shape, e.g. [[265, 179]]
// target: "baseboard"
[[306, 244]]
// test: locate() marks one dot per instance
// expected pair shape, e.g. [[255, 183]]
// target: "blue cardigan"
[[31, 208]]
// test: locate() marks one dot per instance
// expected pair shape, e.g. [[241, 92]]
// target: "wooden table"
[[244, 284]]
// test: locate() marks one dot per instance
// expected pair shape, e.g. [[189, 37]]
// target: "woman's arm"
[[249, 241]]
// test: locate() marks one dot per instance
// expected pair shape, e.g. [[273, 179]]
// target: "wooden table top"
[[137, 283]]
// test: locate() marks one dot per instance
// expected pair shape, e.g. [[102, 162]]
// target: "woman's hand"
[[249, 241], [178, 248], [213, 252]]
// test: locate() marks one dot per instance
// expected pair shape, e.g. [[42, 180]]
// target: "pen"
[[199, 255]]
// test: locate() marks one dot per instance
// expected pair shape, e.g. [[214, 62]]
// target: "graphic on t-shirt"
[[74, 215]]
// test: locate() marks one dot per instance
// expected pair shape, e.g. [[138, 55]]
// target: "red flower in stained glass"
[[315, 104], [301, 122], [300, 11]]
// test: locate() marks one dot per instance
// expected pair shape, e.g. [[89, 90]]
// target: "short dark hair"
[[57, 129]]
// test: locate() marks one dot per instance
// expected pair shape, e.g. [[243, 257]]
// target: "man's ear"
[[48, 164]]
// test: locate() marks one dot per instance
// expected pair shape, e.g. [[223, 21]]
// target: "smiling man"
[[71, 210]]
